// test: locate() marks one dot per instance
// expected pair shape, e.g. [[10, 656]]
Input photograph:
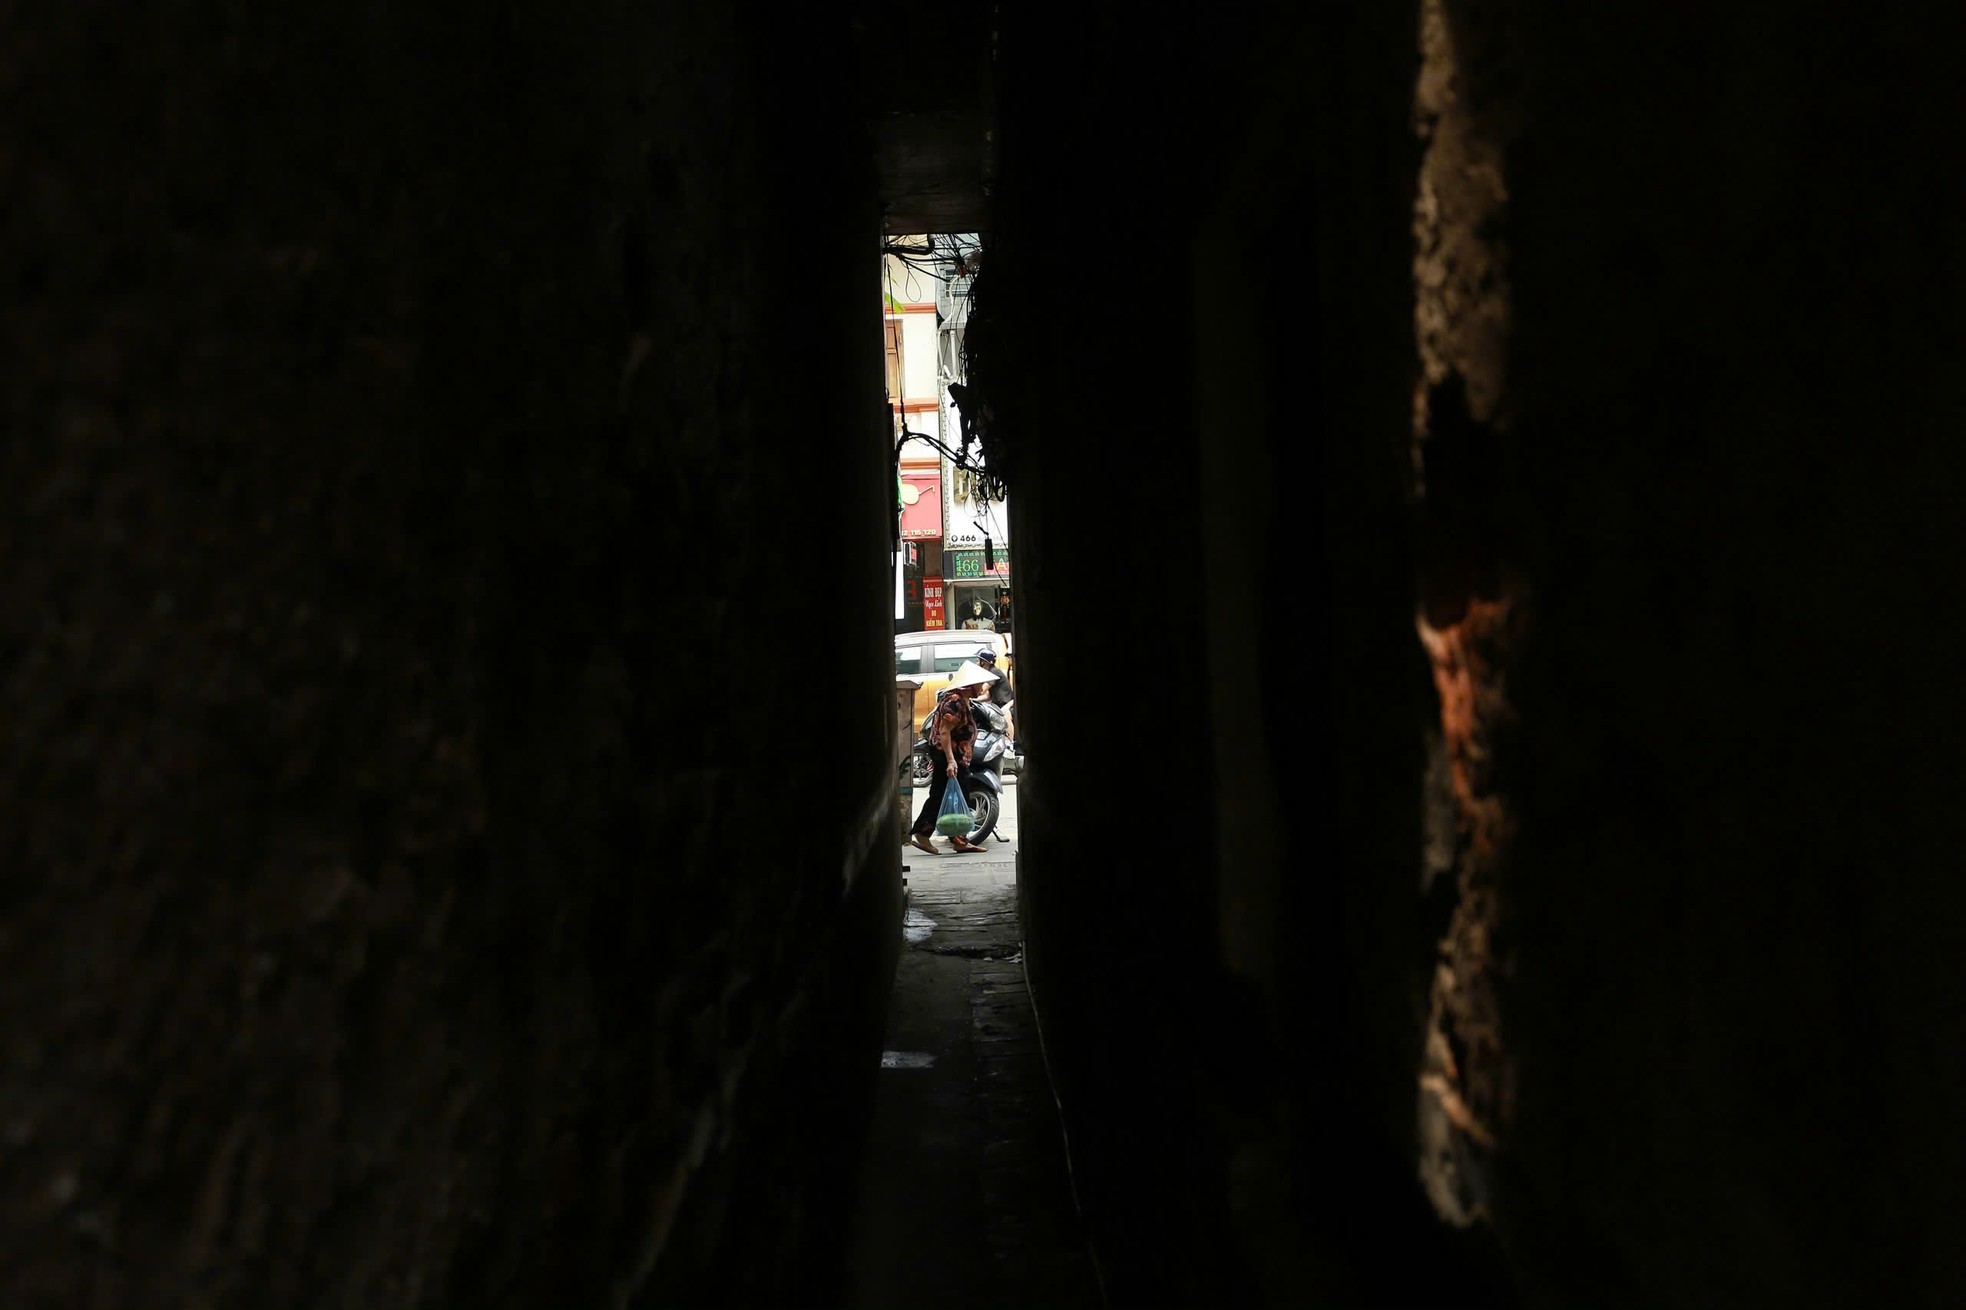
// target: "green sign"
[[958, 564]]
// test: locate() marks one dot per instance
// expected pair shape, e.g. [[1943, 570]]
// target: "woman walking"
[[951, 734]]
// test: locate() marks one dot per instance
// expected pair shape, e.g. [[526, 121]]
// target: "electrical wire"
[[947, 259], [961, 460], [958, 255]]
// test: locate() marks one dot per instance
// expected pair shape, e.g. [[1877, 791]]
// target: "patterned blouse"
[[952, 731]]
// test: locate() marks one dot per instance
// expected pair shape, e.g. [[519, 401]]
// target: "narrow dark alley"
[[964, 1195], [1485, 490]]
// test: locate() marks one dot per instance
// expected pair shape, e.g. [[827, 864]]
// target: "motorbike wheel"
[[983, 808], [921, 770]]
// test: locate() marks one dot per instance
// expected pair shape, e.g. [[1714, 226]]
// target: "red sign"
[[921, 517], [932, 614]]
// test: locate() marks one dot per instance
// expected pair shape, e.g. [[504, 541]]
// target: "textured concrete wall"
[[1737, 269], [1116, 836], [1240, 977], [410, 413], [1570, 469]]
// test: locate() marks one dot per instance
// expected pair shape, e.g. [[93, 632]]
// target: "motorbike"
[[982, 780]]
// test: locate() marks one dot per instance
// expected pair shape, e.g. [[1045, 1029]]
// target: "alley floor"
[[964, 1192]]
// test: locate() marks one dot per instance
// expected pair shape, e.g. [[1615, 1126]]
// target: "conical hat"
[[972, 673]]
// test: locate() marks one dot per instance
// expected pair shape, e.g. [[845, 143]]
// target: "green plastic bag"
[[954, 819]]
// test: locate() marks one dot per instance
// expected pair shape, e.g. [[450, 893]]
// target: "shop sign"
[[933, 616], [921, 505], [969, 563]]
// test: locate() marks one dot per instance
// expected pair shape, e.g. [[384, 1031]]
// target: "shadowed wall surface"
[[1568, 453], [402, 434]]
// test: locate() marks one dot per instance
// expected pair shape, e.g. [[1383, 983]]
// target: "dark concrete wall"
[[1554, 885], [1529, 436], [412, 413], [1737, 285], [1116, 872], [1235, 977]]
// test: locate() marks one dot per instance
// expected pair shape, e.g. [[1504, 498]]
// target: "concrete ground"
[[964, 1194]]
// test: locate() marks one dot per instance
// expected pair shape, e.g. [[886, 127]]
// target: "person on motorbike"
[[951, 738], [1001, 694]]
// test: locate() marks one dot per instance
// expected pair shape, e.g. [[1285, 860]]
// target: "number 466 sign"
[[969, 563]]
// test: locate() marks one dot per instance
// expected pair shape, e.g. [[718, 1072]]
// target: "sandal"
[[964, 846], [922, 843]]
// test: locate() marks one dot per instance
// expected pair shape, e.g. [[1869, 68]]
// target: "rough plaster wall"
[[1672, 361], [1254, 1141], [384, 523], [1466, 595], [1306, 391], [1689, 1037], [1683, 577], [1736, 267]]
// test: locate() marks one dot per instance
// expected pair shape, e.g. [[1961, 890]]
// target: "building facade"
[[953, 557]]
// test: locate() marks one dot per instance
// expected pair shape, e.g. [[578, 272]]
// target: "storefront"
[[978, 588], [953, 589]]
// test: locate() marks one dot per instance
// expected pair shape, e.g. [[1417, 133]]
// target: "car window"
[[908, 662], [950, 658]]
